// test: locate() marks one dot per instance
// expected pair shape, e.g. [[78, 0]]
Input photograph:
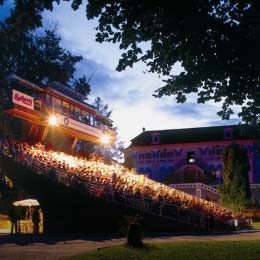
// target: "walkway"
[[63, 246]]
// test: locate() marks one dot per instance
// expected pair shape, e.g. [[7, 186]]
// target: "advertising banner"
[[22, 99]]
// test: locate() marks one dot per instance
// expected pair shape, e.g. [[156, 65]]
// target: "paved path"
[[62, 247]]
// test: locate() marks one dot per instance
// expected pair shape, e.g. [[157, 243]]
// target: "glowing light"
[[53, 120], [105, 139]]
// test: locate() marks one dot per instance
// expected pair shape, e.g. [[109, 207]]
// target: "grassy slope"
[[228, 250]]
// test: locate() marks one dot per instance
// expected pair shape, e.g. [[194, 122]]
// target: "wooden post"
[[45, 133], [74, 144]]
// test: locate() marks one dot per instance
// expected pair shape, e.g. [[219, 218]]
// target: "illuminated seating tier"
[[116, 183]]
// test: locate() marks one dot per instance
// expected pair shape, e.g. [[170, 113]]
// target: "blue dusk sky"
[[128, 93]]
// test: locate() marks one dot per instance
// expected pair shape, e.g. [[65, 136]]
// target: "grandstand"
[[117, 185], [79, 194]]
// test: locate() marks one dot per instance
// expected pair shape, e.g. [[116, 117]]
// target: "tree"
[[27, 15], [235, 192], [82, 86], [216, 42], [114, 150], [37, 57], [102, 107]]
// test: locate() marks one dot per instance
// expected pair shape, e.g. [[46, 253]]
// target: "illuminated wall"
[[160, 161]]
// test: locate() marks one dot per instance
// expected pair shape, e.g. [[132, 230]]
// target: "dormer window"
[[155, 138], [228, 134]]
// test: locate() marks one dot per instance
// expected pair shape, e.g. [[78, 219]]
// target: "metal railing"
[[162, 208]]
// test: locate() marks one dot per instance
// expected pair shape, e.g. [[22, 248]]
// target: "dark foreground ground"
[[21, 247]]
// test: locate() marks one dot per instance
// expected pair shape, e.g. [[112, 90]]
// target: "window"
[[191, 157], [141, 156], [48, 99], [155, 138], [91, 120], [77, 113], [85, 117], [56, 103], [163, 154], [148, 156], [66, 108], [228, 134], [170, 154]]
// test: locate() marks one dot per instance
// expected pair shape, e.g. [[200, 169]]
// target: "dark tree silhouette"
[[217, 43], [235, 192], [82, 86]]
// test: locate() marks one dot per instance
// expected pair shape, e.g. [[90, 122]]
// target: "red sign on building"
[[22, 99]]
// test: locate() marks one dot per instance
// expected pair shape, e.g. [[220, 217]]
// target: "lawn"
[[256, 225], [228, 250]]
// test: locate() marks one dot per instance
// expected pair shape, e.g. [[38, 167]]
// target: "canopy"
[[26, 203]]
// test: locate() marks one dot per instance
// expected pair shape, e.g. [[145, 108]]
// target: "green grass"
[[256, 224], [220, 250]]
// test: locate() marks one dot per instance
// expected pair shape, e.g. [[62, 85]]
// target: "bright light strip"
[[53, 120]]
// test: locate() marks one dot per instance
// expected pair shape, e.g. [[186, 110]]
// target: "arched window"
[[148, 156], [170, 154], [141, 156], [163, 154]]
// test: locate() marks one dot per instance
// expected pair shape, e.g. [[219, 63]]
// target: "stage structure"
[[55, 111]]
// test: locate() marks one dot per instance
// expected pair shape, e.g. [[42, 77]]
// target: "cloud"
[[128, 93], [189, 109]]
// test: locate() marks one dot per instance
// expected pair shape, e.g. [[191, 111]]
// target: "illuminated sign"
[[22, 99]]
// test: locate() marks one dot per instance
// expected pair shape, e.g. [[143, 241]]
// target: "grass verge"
[[220, 250], [256, 225]]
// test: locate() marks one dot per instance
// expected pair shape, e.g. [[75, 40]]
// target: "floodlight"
[[53, 120], [105, 139]]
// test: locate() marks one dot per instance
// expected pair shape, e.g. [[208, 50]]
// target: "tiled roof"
[[69, 92], [194, 135]]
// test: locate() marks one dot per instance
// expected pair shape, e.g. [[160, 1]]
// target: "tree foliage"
[[102, 107], [27, 15], [235, 192], [216, 41], [82, 86], [114, 150], [37, 57]]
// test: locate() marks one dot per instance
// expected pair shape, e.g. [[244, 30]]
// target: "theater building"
[[192, 155], [54, 113]]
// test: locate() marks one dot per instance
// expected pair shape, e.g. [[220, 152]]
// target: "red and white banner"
[[22, 99]]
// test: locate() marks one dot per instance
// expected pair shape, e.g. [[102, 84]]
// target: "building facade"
[[55, 113], [192, 155]]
